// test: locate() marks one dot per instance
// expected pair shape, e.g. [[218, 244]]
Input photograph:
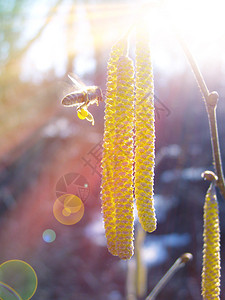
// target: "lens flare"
[[8, 293], [66, 212], [68, 209], [18, 280], [49, 235], [75, 184]]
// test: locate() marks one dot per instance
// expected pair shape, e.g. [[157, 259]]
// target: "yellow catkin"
[[123, 157], [144, 133], [107, 196], [211, 248]]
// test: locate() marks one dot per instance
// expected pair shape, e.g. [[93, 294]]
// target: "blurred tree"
[[20, 102], [70, 33]]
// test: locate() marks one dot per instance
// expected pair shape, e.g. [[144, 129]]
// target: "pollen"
[[82, 113]]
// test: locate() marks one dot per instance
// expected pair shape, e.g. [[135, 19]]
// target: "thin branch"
[[210, 100], [179, 263], [130, 280], [200, 80], [211, 109], [141, 269]]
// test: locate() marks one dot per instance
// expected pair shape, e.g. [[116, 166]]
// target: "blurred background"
[[46, 151]]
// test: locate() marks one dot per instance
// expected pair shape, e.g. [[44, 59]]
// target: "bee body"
[[82, 98], [74, 98], [94, 93]]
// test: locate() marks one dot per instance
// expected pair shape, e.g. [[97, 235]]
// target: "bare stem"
[[210, 100], [215, 147], [130, 282], [200, 80], [141, 269], [179, 263]]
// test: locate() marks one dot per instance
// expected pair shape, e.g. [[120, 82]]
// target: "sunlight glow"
[[199, 22], [47, 53], [200, 19]]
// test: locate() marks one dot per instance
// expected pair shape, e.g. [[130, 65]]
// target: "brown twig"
[[179, 263], [200, 80], [210, 100]]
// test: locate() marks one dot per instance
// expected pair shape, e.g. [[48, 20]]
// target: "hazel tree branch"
[[200, 80], [211, 100], [179, 263]]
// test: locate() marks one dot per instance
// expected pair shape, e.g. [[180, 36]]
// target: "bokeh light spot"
[[66, 212], [8, 292], [72, 204], [49, 235], [19, 277], [68, 209]]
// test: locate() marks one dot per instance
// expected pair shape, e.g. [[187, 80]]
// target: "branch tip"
[[213, 99], [186, 257], [209, 175]]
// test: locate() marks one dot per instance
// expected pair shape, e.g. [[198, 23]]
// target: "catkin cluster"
[[211, 248], [128, 147]]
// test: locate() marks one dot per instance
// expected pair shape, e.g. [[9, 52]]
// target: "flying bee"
[[82, 98]]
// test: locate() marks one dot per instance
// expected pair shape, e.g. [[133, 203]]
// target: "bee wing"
[[77, 82]]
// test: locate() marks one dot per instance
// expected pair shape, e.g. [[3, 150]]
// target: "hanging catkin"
[[117, 154], [108, 204], [123, 158], [211, 248], [144, 132]]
